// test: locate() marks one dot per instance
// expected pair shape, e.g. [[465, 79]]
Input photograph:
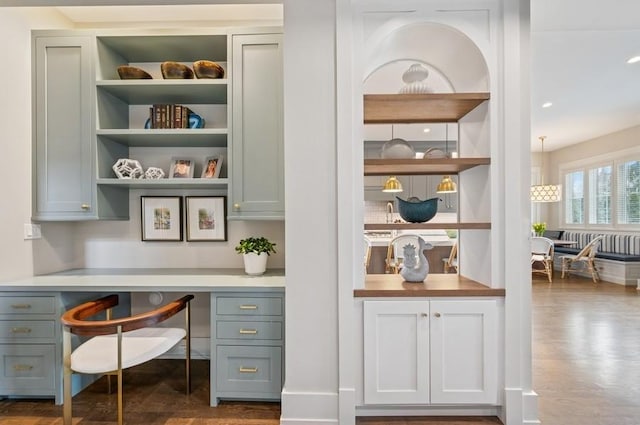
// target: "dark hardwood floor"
[[586, 371]]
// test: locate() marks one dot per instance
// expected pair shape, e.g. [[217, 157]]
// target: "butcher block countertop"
[[435, 285]]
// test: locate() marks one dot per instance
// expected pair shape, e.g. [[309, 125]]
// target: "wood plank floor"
[[586, 371]]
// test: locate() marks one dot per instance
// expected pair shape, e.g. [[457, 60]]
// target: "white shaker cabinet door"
[[464, 352], [396, 352], [257, 146]]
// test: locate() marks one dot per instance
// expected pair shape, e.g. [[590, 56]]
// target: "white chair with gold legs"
[[451, 262], [120, 343], [585, 258], [542, 255]]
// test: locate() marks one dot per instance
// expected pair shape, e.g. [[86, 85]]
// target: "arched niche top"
[[447, 52]]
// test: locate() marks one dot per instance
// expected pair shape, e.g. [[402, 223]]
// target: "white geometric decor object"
[[154, 173], [414, 80], [126, 168]]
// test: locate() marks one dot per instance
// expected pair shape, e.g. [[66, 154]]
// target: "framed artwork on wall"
[[206, 218], [161, 218], [212, 166]]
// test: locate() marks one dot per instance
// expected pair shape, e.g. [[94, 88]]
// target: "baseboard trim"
[[427, 411], [305, 408]]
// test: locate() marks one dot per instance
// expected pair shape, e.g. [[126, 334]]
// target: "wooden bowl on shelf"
[[127, 72], [208, 69], [175, 70]]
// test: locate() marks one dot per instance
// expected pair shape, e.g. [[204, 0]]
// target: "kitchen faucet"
[[389, 212]]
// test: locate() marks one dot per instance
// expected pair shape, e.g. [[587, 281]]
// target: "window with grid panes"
[[600, 185], [628, 192], [574, 197]]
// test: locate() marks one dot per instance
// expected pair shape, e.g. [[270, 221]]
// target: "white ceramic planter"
[[255, 264]]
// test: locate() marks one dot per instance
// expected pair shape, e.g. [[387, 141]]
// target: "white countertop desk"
[[147, 280], [48, 295]]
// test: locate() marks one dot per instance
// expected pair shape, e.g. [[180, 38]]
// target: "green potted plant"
[[539, 228], [255, 251]]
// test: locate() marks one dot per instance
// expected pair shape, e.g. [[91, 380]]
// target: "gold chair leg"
[[188, 347], [66, 378], [119, 373]]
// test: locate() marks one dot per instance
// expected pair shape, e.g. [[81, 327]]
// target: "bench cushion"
[[600, 254]]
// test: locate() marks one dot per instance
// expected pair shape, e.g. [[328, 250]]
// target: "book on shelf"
[[169, 115]]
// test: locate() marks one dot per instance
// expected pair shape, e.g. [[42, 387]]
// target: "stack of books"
[[165, 115]]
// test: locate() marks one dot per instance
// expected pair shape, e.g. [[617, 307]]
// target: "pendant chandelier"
[[392, 185], [545, 192], [446, 185]]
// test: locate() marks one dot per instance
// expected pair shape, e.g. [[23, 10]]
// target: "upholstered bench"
[[617, 259]]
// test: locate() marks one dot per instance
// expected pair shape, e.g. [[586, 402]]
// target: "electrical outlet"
[[32, 231]]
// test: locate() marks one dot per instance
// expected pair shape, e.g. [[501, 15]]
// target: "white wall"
[[608, 144], [16, 258], [311, 381], [108, 244]]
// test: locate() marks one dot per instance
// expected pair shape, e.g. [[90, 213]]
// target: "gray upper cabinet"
[[257, 158], [86, 118], [64, 178]]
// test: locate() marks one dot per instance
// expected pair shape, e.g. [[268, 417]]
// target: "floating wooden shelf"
[[422, 226], [405, 167], [419, 108]]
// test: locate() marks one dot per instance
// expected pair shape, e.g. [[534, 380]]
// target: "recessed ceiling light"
[[547, 104], [634, 59], [426, 130]]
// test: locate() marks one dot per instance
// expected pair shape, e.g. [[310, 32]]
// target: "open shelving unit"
[[421, 108]]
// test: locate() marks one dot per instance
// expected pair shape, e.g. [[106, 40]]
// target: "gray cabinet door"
[[257, 146], [63, 104]]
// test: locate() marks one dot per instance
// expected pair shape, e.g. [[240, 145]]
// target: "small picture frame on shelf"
[[206, 218], [212, 166], [161, 218], [181, 168]]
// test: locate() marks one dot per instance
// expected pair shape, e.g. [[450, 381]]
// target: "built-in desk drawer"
[[27, 369], [27, 330], [21, 304], [246, 370], [249, 306], [248, 330]]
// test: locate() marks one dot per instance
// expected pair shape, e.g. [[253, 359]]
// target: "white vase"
[[255, 264]]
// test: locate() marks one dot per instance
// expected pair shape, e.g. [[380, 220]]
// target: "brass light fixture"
[[545, 192], [447, 185], [392, 185]]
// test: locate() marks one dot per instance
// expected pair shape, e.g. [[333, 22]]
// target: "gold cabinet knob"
[[85, 206], [437, 314], [236, 207]]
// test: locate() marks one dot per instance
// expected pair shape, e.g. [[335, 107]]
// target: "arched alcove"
[[455, 62]]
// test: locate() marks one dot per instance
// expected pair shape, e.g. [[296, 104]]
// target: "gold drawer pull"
[[248, 369], [248, 307], [22, 367], [85, 206], [21, 330], [248, 331], [21, 306]]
